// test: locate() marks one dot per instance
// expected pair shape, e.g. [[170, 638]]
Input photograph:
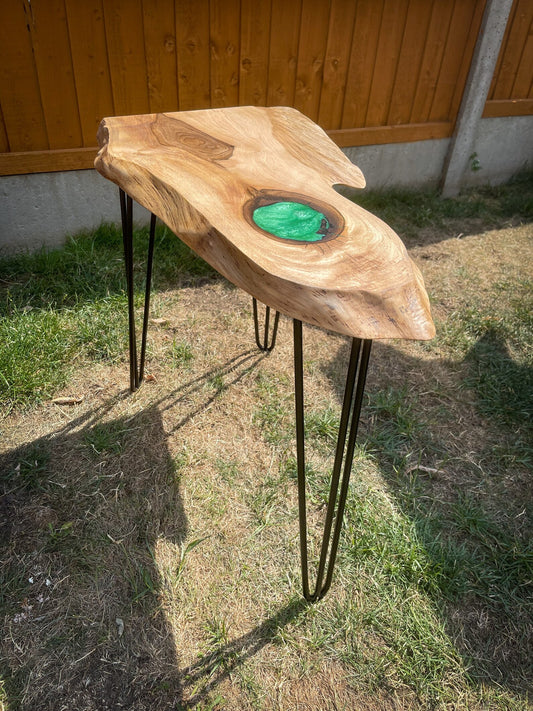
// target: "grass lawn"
[[149, 542]]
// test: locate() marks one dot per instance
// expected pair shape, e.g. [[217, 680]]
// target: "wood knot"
[[175, 133]]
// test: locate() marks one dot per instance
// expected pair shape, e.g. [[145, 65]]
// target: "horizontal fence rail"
[[368, 71]]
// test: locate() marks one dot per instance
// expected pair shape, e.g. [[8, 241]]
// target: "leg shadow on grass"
[[93, 531], [213, 668], [83, 513], [220, 378], [440, 509]]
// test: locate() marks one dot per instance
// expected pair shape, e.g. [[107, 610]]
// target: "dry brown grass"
[[119, 613]]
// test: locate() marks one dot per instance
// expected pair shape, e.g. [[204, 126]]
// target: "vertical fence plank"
[[501, 77], [390, 41], [159, 24], [468, 53], [517, 30], [433, 52], [284, 38], [20, 95], [523, 81], [311, 53], [255, 43], [225, 42], [53, 59], [347, 64], [127, 61], [452, 60], [362, 60], [4, 143], [91, 67], [409, 61], [340, 33], [505, 40], [192, 37]]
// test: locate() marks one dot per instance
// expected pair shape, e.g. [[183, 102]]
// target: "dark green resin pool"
[[292, 220]]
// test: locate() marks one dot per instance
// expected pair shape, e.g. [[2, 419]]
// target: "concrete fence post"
[[477, 87]]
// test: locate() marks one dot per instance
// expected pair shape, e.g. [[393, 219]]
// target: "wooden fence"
[[368, 71], [511, 93]]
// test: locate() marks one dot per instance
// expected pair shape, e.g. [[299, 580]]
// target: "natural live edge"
[[362, 283]]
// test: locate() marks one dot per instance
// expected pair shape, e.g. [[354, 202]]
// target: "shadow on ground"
[[84, 507], [457, 469], [81, 513]]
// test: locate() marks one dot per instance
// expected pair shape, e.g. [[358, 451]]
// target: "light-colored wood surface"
[[83, 158], [204, 172]]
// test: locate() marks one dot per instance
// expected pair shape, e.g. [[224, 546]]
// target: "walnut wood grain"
[[204, 172]]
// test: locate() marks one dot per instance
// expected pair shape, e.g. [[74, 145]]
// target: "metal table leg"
[[351, 410], [264, 345], [126, 209]]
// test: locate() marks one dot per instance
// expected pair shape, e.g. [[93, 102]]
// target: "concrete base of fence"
[[503, 147], [44, 208]]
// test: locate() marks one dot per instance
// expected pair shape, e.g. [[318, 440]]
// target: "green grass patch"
[[65, 307], [395, 424], [274, 410], [500, 563], [181, 353], [36, 348], [106, 437], [322, 426], [494, 335], [29, 470], [407, 211]]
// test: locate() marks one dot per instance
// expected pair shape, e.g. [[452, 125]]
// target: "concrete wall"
[[398, 165], [503, 148], [43, 209]]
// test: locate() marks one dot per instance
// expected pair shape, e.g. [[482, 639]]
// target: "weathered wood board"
[[250, 190]]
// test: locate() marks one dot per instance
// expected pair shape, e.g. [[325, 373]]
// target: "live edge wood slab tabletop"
[[250, 190]]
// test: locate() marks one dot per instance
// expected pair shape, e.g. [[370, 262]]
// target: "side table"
[[250, 190]]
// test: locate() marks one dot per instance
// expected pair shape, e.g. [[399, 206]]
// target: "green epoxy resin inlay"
[[292, 220]]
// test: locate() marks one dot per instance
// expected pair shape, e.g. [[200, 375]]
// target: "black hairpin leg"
[[351, 410], [264, 345], [126, 209]]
